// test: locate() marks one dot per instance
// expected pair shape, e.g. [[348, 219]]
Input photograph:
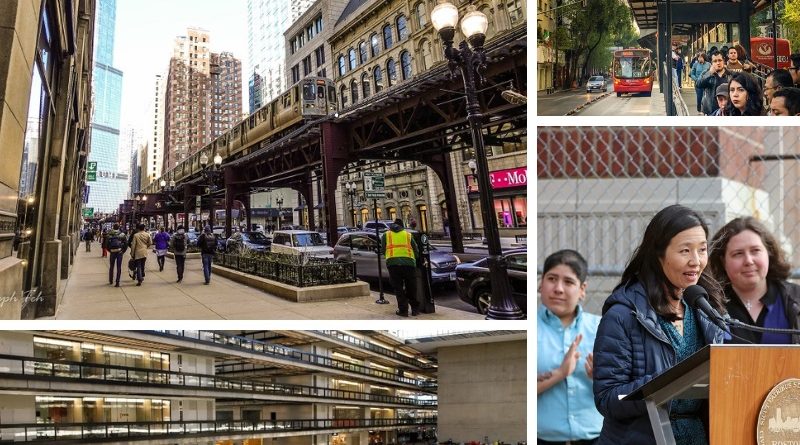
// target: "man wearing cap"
[[722, 99], [208, 245], [400, 251]]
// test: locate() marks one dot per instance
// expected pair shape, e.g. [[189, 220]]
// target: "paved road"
[[561, 103], [625, 105]]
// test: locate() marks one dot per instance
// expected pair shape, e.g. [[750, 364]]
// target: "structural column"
[[335, 157], [441, 165]]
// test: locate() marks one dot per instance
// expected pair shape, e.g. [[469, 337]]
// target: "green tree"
[[790, 20], [592, 29]]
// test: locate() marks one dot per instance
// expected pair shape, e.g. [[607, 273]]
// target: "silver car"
[[365, 250], [596, 83]]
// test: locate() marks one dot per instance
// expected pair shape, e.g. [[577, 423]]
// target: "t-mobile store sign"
[[502, 179]]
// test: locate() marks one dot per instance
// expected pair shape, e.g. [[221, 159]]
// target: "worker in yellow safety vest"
[[400, 251]]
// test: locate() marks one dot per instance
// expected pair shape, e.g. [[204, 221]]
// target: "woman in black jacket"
[[647, 328], [746, 98], [748, 261]]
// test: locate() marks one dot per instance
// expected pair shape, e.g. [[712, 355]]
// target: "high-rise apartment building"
[[202, 99], [187, 120], [226, 92], [308, 52], [111, 185], [154, 131], [266, 22]]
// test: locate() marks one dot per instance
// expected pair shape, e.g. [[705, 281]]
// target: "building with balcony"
[[226, 92], [277, 387]]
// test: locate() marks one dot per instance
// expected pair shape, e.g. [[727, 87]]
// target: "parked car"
[[473, 281], [344, 229], [218, 230], [300, 242], [191, 238], [254, 241], [382, 224], [596, 83], [365, 250]]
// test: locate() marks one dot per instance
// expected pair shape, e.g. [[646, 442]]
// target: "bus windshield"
[[632, 67]]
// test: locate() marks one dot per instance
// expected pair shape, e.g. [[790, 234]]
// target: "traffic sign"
[[88, 212], [91, 166], [91, 176], [374, 186]]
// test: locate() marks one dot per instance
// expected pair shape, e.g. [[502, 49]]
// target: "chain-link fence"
[[598, 188]]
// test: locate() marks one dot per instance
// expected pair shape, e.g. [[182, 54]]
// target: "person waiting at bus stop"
[[700, 66], [711, 80], [401, 251]]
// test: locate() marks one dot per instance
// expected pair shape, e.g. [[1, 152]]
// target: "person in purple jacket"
[[161, 241]]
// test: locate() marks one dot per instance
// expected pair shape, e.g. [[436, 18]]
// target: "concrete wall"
[[16, 409], [15, 343], [192, 364], [482, 392], [193, 409]]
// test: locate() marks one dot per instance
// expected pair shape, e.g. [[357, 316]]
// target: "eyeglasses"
[[793, 68]]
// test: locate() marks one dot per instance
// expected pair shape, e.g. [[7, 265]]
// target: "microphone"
[[696, 297]]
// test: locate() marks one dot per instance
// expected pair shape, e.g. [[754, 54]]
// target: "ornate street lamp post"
[[470, 59], [211, 175], [139, 202], [279, 201], [351, 192]]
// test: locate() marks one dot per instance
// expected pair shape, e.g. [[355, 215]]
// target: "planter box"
[[293, 293]]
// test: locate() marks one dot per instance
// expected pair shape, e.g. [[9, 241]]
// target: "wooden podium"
[[735, 379]]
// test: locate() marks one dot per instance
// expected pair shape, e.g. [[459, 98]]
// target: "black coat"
[[629, 350], [709, 83]]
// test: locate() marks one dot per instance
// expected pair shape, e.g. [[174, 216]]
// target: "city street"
[[562, 102]]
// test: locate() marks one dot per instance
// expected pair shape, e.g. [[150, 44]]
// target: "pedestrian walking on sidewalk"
[[88, 238], [103, 243], [208, 246], [400, 251], [139, 247], [162, 243], [116, 243], [178, 245]]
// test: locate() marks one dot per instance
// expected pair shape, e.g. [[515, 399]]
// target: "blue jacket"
[[629, 350], [697, 70]]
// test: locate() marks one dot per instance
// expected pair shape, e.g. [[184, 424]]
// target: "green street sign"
[[374, 187], [91, 176], [91, 166], [88, 212]]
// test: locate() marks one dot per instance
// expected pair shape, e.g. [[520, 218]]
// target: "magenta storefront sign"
[[502, 179]]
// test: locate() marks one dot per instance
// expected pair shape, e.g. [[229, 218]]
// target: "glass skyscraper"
[[110, 189]]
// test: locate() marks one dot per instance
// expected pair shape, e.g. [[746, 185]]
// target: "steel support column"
[[309, 195], [440, 164], [334, 159]]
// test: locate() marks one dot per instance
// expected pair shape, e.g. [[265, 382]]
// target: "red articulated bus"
[[633, 71], [762, 51]]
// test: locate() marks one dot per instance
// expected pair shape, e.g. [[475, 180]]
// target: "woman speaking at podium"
[[647, 328], [750, 264]]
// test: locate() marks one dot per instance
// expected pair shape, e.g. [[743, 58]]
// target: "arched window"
[[405, 64], [427, 55], [422, 14], [343, 96], [342, 67], [490, 30], [391, 72], [377, 76], [375, 44], [387, 36], [365, 85], [362, 51], [351, 56], [354, 90], [402, 29]]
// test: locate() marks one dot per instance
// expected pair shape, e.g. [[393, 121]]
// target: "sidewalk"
[[87, 295]]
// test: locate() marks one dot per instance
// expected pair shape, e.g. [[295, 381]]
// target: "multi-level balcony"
[[60, 376]]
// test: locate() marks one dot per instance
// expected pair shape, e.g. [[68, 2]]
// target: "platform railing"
[[49, 432], [284, 353], [91, 372], [342, 336]]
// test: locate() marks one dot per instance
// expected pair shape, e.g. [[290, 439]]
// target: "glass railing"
[[89, 372], [289, 354], [45, 432], [339, 335]]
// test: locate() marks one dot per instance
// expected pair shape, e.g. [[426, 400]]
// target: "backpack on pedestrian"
[[114, 243], [210, 242], [179, 242]]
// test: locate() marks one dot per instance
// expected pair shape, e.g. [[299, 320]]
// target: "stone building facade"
[[46, 60], [377, 45]]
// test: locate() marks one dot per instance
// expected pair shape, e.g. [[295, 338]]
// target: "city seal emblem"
[[779, 419]]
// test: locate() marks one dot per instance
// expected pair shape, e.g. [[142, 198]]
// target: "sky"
[[145, 32]]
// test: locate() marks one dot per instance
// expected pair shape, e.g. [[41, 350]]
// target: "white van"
[[300, 242]]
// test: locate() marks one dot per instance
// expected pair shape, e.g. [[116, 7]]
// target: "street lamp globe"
[[472, 165], [171, 183], [474, 26], [138, 198], [144, 198], [203, 159], [217, 160], [163, 183], [444, 18]]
